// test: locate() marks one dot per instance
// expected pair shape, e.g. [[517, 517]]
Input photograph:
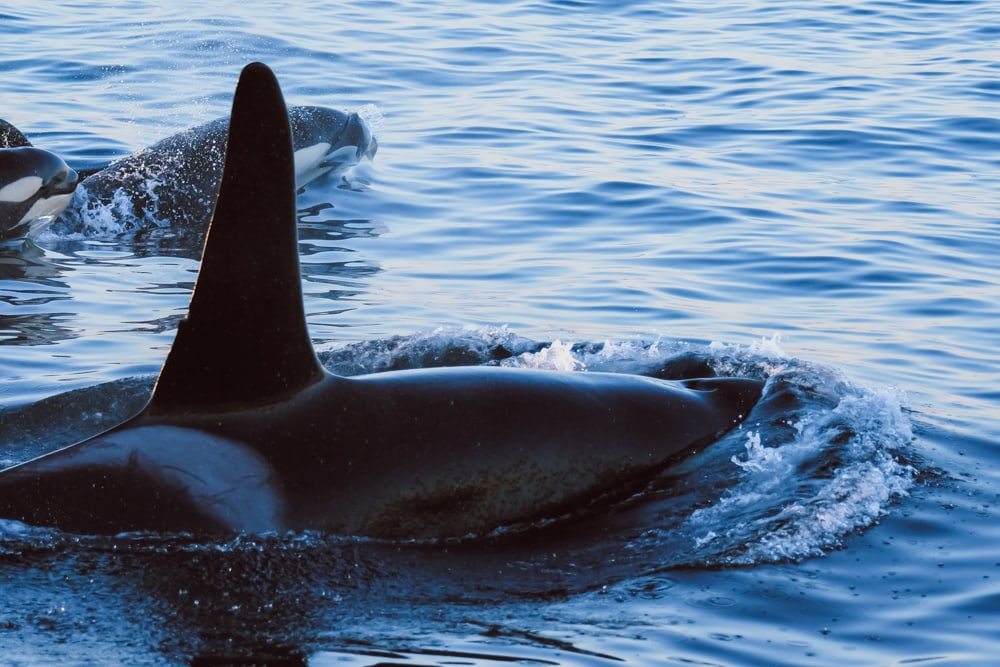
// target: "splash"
[[800, 496], [373, 117], [556, 356]]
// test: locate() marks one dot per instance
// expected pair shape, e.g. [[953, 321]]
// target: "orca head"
[[327, 140], [35, 187]]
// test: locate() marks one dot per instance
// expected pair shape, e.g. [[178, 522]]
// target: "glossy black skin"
[[411, 454], [245, 430], [460, 451]]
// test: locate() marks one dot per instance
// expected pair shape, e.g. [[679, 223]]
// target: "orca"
[[173, 183], [246, 431], [35, 187]]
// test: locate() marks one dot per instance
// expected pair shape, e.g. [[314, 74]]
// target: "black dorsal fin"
[[244, 341]]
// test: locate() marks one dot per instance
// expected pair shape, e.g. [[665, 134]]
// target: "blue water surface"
[[802, 191]]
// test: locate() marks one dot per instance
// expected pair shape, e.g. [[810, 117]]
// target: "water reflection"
[[269, 600], [35, 329], [23, 260], [39, 299], [277, 656], [30, 286]]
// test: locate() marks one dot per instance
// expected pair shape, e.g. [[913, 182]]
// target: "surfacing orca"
[[173, 183], [35, 187], [245, 430]]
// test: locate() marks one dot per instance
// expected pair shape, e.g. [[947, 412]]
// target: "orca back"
[[11, 137]]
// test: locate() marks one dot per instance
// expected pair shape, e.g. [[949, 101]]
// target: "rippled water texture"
[[806, 192]]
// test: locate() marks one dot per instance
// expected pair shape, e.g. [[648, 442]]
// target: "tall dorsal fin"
[[244, 341]]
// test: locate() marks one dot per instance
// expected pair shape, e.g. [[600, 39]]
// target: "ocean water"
[[805, 192]]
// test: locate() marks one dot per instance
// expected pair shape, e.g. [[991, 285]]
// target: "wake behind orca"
[[246, 431], [172, 183]]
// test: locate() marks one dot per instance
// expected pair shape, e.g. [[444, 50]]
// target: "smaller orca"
[[246, 431], [173, 183], [35, 187]]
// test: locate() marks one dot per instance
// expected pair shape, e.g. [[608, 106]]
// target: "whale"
[[172, 183], [245, 430], [35, 187]]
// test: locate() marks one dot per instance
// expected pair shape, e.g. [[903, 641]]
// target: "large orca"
[[245, 430], [171, 183]]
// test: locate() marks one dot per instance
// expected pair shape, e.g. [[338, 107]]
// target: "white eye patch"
[[22, 189], [307, 162], [44, 211]]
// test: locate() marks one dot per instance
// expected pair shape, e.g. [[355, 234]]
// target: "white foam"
[[558, 356], [760, 459], [780, 510]]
